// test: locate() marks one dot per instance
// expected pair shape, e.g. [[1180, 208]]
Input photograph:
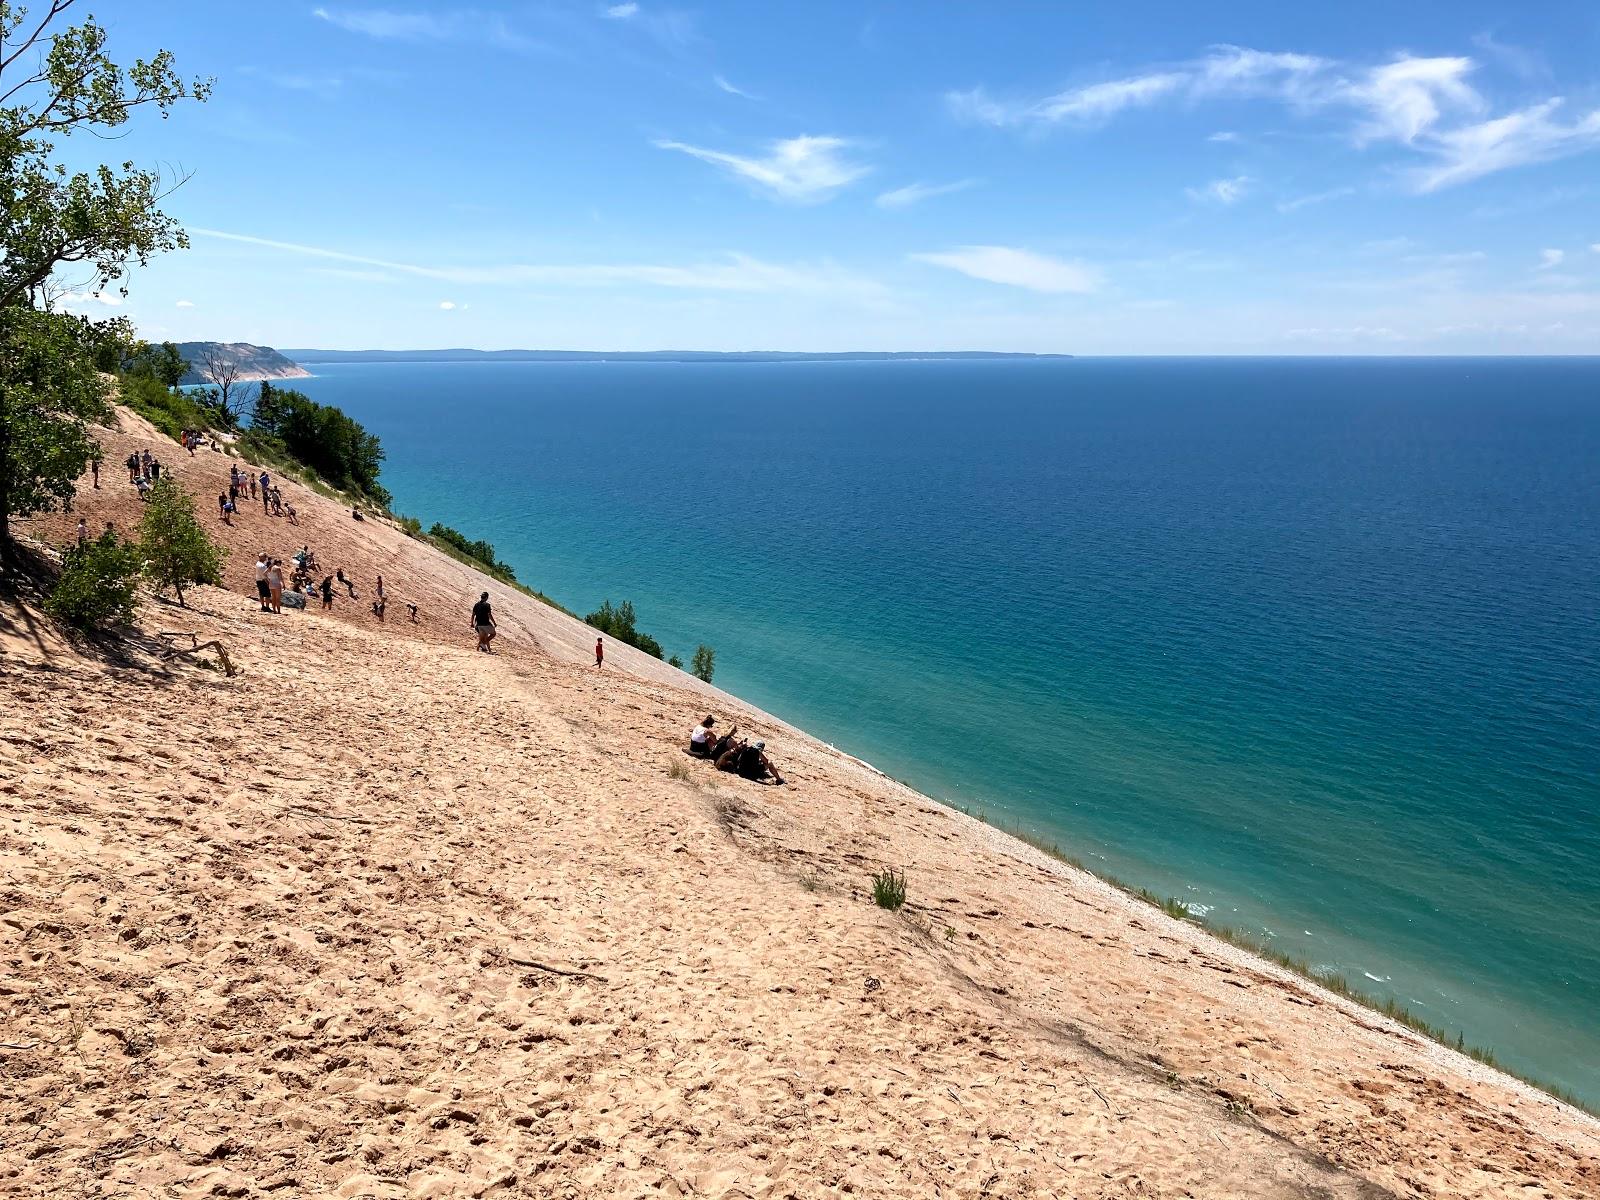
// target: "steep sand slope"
[[383, 916]]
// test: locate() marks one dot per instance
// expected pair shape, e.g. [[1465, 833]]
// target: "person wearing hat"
[[755, 766]]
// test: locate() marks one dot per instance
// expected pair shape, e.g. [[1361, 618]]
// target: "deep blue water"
[[1315, 643]]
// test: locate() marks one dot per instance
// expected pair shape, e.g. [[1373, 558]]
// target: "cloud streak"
[[1221, 191], [1015, 268], [806, 170], [916, 193], [458, 25], [733, 272]]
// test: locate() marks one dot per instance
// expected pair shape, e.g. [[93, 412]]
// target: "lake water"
[[1314, 644]]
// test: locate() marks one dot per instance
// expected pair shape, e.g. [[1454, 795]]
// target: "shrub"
[[170, 412], [703, 663], [176, 548], [409, 526], [675, 661], [889, 889], [96, 587], [480, 552]]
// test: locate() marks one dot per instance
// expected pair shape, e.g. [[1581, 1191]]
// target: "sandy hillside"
[[383, 916]]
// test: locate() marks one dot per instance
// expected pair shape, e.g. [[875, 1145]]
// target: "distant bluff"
[[253, 362]]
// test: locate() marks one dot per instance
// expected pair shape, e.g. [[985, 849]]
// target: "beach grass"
[[1259, 946], [889, 889]]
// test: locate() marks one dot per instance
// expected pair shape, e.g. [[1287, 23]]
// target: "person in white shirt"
[[263, 591], [702, 739]]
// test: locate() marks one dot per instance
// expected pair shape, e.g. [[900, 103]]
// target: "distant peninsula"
[[439, 356], [251, 362]]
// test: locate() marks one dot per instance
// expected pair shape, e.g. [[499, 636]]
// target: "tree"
[[176, 548], [703, 663], [162, 363], [57, 82], [230, 397], [60, 81], [323, 438], [675, 661], [50, 392]]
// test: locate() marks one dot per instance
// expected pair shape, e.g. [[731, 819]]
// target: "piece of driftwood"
[[539, 966], [222, 653]]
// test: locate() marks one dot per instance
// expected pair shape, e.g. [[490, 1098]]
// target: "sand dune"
[[386, 917]]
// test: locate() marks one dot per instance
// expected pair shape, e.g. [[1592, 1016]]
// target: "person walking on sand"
[[275, 585], [132, 463], [266, 497], [94, 466], [599, 653], [83, 532], [483, 623], [263, 592], [327, 592]]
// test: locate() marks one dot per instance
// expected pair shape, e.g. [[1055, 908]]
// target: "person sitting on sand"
[[703, 739], [728, 752], [355, 514], [483, 623], [755, 766]]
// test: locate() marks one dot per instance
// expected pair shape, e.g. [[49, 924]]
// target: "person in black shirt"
[[483, 623]]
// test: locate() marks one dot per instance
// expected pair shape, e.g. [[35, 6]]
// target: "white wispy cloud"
[[722, 82], [915, 193], [455, 25], [1405, 98], [1595, 246], [803, 169], [447, 305], [1222, 191], [109, 299], [1227, 70], [1551, 258], [1015, 267], [732, 272], [1298, 202], [1223, 135], [620, 12], [1424, 104], [1530, 135], [184, 304]]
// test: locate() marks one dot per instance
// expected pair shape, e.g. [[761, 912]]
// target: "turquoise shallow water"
[[1314, 643]]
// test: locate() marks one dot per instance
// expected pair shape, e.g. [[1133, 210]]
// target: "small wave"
[[1199, 910], [1376, 978]]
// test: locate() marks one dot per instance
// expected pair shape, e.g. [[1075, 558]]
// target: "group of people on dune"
[[732, 753], [242, 484]]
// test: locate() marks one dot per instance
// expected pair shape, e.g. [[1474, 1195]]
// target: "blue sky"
[[1086, 178]]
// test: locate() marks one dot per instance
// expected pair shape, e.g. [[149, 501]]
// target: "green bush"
[[618, 621], [889, 889], [409, 526], [96, 587]]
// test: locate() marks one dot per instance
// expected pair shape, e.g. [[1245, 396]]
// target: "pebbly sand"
[[383, 916]]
